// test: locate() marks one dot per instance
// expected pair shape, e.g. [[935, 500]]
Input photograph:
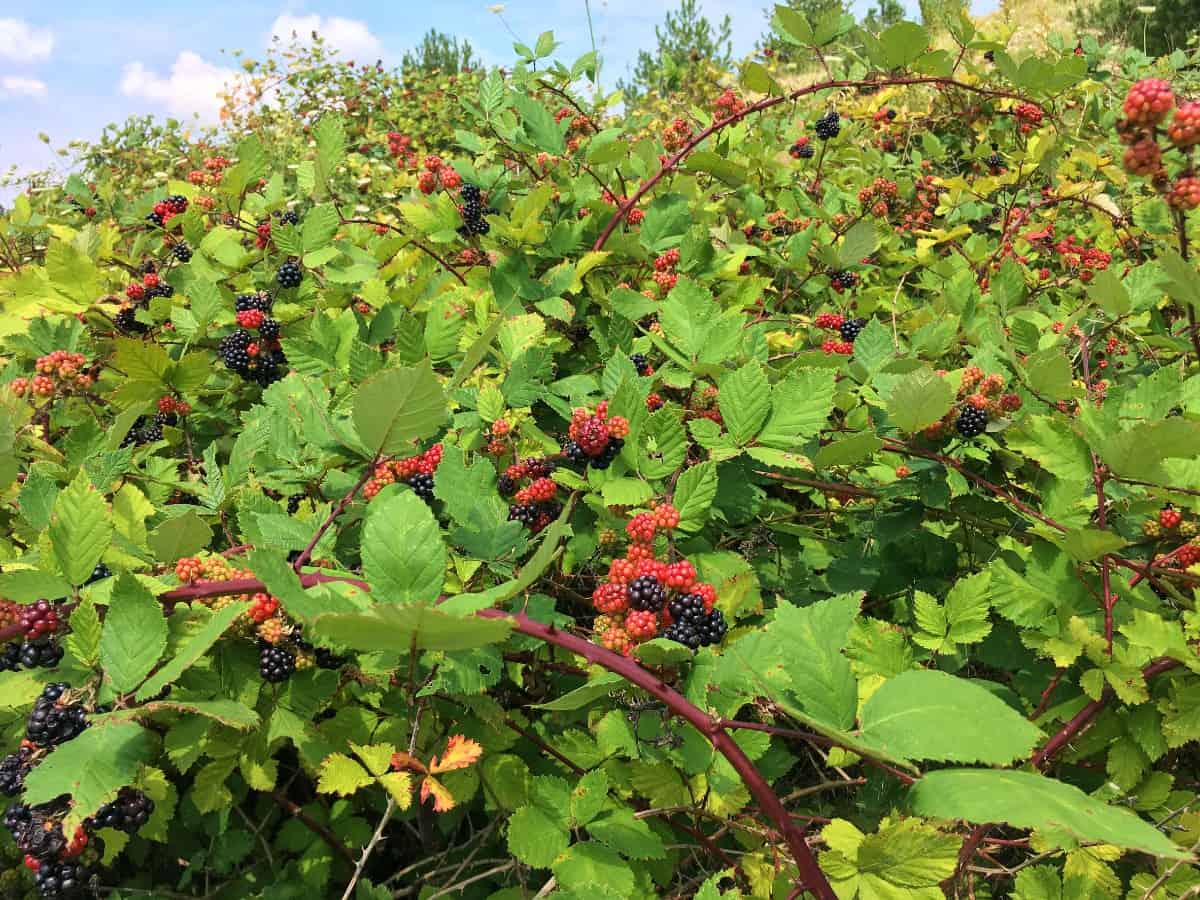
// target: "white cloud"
[[193, 85], [22, 42], [350, 37], [16, 86]]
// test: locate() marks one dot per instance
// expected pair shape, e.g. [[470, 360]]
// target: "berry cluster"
[[643, 595], [289, 275], [921, 215], [401, 149], [802, 148], [60, 371], [877, 195], [473, 212], [664, 269], [677, 134], [165, 210], [436, 174], [415, 471], [534, 505], [263, 360], [728, 104], [847, 329], [1028, 116], [54, 720], [210, 175], [828, 125], [981, 398], [595, 439], [39, 622], [842, 280], [182, 251], [1146, 107], [641, 364]]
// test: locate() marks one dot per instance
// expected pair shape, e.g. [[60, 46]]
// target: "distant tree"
[[440, 52], [1169, 24], [687, 45], [882, 14]]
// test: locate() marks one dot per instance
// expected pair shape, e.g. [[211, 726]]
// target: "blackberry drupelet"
[[851, 329], [126, 322], [525, 513], [611, 451], [540, 468], [688, 608], [971, 422], [151, 433], [101, 571], [995, 161], [162, 289], [289, 275], [712, 628], [276, 664], [647, 594], [683, 633], [166, 418], [262, 301], [10, 657], [575, 453], [843, 280], [807, 152], [422, 486], [293, 504], [55, 880], [155, 219], [289, 217], [327, 659]]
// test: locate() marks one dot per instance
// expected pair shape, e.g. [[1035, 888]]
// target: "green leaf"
[[396, 628], [539, 125], [629, 836], [1049, 373], [179, 537], [800, 408], [745, 401], [397, 406], [80, 529], [587, 865], [330, 135], [903, 43], [191, 649], [1055, 448], [31, 585], [588, 797], [134, 636], [667, 218], [1107, 290], [1025, 800], [792, 26], [857, 243], [84, 639], [848, 451], [599, 686], [927, 714], [1086, 544], [536, 838], [341, 775], [404, 558], [1182, 281], [90, 768], [919, 399], [320, 225], [694, 494]]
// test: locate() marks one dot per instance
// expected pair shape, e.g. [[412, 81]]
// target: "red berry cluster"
[[38, 619], [703, 405], [728, 104], [262, 607], [877, 195], [677, 134], [982, 394], [654, 402], [1028, 116], [635, 216], [926, 204], [1188, 555], [833, 322], [1080, 259], [210, 175], [1146, 108], [593, 432], [664, 270], [634, 600], [1169, 517], [401, 149], [166, 210], [60, 370], [579, 124], [534, 505], [409, 470], [436, 174]]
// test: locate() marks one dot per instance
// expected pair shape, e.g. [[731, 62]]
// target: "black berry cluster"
[[473, 212], [971, 422], [289, 275], [640, 363], [293, 503], [995, 162], [275, 664], [145, 430], [53, 722], [126, 321], [13, 769], [61, 879], [43, 654], [692, 626], [129, 812], [289, 217], [842, 280], [828, 125], [261, 361], [577, 454], [851, 329], [182, 251], [647, 594]]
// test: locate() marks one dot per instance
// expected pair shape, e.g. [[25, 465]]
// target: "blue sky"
[[68, 69]]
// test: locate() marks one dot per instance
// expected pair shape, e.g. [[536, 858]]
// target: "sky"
[[68, 69]]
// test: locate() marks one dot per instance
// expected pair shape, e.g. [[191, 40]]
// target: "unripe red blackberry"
[[1148, 102], [1185, 126], [1143, 157], [1185, 193]]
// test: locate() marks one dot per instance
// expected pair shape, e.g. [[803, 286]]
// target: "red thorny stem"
[[628, 669], [338, 509], [766, 103]]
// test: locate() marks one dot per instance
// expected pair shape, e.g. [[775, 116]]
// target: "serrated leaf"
[[397, 406], [404, 558], [588, 797], [848, 451], [629, 836], [927, 714], [694, 494], [80, 529], [1026, 800], [535, 838], [191, 649], [800, 408], [918, 400], [396, 628], [179, 537], [399, 785], [857, 243], [134, 636], [745, 401], [84, 639], [341, 775]]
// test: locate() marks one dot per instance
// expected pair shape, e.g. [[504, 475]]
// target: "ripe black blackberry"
[[129, 812], [101, 571], [422, 486], [166, 418], [269, 330], [40, 654], [688, 608], [61, 880], [851, 329], [289, 217], [37, 831], [177, 203], [506, 486], [682, 633], [276, 664], [289, 275], [573, 452], [155, 219], [891, 114], [293, 504], [807, 152], [995, 161], [13, 769], [471, 193], [828, 125], [646, 594], [262, 301], [842, 279], [640, 362], [10, 657], [147, 267], [971, 422], [162, 289], [126, 322], [611, 451], [525, 513], [232, 350], [49, 723], [151, 433], [712, 628], [182, 252]]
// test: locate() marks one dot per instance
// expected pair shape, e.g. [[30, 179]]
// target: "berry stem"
[[338, 509], [628, 669], [1109, 598], [1181, 234], [766, 103], [313, 825]]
